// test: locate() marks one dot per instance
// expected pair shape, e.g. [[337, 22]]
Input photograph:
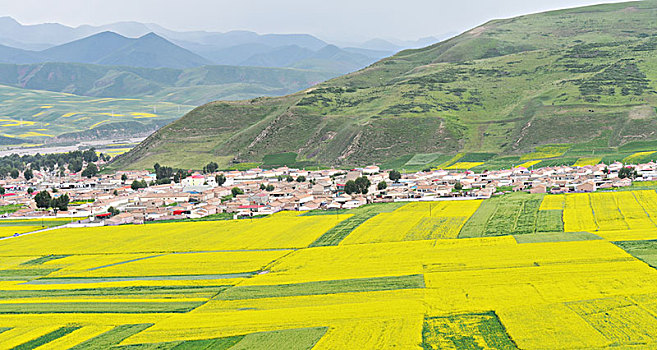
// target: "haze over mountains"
[[584, 77], [152, 46]]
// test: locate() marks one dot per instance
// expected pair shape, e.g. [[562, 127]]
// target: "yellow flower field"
[[415, 221], [399, 280], [587, 161], [463, 165]]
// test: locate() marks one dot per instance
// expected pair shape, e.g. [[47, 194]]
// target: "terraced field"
[[383, 276]]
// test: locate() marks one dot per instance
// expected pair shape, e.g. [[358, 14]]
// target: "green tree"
[[350, 187], [270, 188], [90, 155], [124, 178], [28, 174], [395, 175], [90, 171], [30, 190], [362, 185], [211, 167], [458, 186], [75, 165], [60, 203], [625, 173], [2, 191], [220, 179], [14, 173], [43, 200], [113, 211], [301, 178], [382, 185], [289, 178], [236, 191]]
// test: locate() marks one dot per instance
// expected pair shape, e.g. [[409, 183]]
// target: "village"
[[114, 200]]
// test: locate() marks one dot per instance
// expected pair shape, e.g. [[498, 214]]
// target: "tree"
[[90, 155], [60, 203], [211, 167], [270, 188], [262, 186], [115, 193], [28, 174], [124, 178], [43, 200], [395, 175], [289, 178], [2, 191], [113, 211], [30, 190], [14, 173], [75, 165], [90, 171], [236, 191], [625, 173], [301, 178], [350, 187], [363, 185], [382, 186], [458, 186], [220, 179], [138, 184]]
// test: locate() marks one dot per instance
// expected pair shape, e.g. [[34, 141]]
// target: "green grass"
[[201, 291], [44, 259], [323, 287], [549, 237], [27, 273], [512, 214], [99, 307], [112, 337], [11, 208], [463, 332], [293, 339], [339, 232], [46, 338], [645, 251], [214, 217], [289, 339]]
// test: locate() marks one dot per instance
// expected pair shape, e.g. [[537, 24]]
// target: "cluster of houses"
[[263, 192]]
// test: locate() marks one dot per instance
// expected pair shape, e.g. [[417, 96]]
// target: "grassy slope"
[[582, 76]]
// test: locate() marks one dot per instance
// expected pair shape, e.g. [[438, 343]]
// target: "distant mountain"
[[191, 86], [241, 48], [108, 48]]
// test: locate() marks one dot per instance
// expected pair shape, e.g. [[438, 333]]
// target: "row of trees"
[[44, 200]]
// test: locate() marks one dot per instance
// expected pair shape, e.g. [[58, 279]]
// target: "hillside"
[[582, 77], [193, 86]]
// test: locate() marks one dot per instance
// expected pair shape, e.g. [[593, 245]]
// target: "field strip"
[[125, 262], [106, 300], [130, 279]]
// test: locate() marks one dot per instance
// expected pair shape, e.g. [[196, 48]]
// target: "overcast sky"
[[341, 20]]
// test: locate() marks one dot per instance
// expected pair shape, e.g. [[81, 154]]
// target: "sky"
[[336, 20]]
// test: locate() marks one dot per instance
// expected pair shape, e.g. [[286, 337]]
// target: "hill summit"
[[582, 77]]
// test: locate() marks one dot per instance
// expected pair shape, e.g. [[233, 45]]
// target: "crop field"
[[33, 115], [538, 272]]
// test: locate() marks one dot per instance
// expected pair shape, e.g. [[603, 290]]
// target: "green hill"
[[583, 77]]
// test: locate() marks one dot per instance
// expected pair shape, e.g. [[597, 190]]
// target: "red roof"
[[103, 215], [197, 177], [250, 206], [9, 194], [178, 212]]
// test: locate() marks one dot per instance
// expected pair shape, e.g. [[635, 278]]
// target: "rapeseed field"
[[398, 277]]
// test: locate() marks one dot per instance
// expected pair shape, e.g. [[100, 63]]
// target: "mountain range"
[[584, 78], [152, 46]]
